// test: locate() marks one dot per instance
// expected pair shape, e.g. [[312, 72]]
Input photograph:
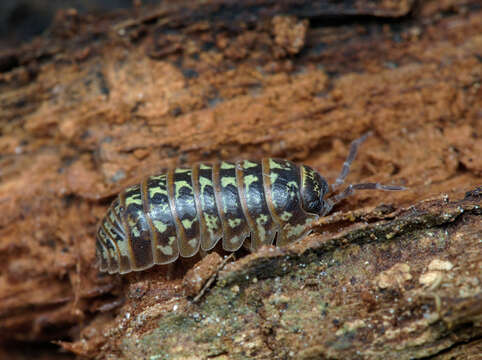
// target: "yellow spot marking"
[[179, 185], [164, 207], [228, 180], [273, 176], [132, 225], [234, 240], [248, 180], [107, 226], [135, 231], [110, 247], [158, 177], [205, 167], [234, 222], [112, 217], [187, 223], [134, 199], [211, 223], [292, 184], [192, 243], [124, 251], [285, 216], [295, 231], [117, 211], [101, 235], [248, 164], [110, 229], [159, 225], [166, 250], [153, 190], [261, 220], [274, 165], [225, 165], [204, 181]]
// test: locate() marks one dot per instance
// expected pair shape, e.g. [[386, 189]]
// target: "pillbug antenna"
[[351, 156], [350, 190]]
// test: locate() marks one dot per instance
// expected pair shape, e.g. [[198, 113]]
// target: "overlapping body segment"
[[164, 236], [137, 228], [187, 209], [253, 201], [235, 226], [183, 208]]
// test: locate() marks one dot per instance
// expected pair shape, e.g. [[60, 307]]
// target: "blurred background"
[[20, 20]]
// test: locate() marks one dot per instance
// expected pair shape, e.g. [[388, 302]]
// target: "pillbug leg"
[[351, 156], [350, 190]]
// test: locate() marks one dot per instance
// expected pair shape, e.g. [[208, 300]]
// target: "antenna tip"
[[395, 187]]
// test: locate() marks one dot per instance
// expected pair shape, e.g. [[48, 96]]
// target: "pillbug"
[[187, 209]]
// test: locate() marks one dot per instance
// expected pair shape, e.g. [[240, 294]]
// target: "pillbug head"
[[313, 189]]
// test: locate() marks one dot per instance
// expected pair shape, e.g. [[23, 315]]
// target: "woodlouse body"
[[187, 209], [177, 213]]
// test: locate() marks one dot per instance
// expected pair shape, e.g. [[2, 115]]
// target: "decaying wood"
[[99, 102], [402, 288]]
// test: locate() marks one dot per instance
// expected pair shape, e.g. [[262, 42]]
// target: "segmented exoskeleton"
[[187, 209]]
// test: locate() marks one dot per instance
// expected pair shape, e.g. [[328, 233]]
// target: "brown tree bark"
[[99, 102]]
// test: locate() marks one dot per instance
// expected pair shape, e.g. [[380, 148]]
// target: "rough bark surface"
[[99, 102]]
